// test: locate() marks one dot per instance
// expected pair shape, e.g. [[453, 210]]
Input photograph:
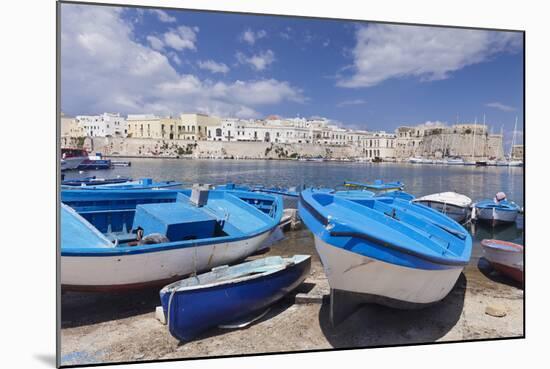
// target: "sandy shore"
[[122, 327]]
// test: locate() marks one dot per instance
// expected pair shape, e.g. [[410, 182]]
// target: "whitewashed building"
[[104, 125]]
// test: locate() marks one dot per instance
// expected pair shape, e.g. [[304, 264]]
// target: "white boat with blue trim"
[[129, 239], [384, 250]]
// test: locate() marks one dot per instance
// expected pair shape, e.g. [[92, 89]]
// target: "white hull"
[[136, 270], [510, 259], [352, 272], [457, 213], [496, 215]]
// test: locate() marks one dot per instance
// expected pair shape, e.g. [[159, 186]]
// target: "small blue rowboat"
[[384, 250], [490, 211], [377, 185], [140, 184], [94, 181], [130, 239], [230, 293]]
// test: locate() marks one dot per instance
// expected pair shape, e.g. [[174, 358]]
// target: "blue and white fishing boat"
[[117, 240], [384, 250], [230, 294], [139, 184], [495, 212], [94, 181], [377, 185]]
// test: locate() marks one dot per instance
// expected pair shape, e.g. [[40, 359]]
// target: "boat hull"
[[495, 216], [191, 312], [507, 261], [457, 213], [148, 269], [384, 283]]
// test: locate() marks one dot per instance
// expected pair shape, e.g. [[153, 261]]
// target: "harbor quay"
[[101, 328], [195, 135]]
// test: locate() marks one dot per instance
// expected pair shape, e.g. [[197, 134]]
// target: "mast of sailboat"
[[474, 141], [485, 141], [513, 138]]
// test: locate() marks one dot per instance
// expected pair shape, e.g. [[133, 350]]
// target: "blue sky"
[[363, 75]]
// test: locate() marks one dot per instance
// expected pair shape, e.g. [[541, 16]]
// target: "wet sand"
[[102, 328]]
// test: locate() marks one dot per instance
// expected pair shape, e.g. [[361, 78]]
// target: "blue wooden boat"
[[377, 185], [290, 192], [495, 212], [149, 237], [94, 181], [230, 293], [139, 184], [384, 250]]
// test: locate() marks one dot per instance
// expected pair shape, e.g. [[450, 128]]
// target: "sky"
[[362, 75]]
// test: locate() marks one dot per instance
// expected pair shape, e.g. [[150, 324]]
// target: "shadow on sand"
[[85, 308], [489, 272], [376, 325]]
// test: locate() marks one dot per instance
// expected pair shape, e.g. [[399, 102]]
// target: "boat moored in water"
[[384, 250], [452, 204], [505, 257], [495, 211], [129, 184], [94, 181], [230, 294], [119, 240]]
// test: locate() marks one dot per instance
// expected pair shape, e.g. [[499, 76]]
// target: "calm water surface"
[[476, 182]]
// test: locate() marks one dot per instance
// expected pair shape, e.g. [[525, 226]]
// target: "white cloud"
[[163, 16], [351, 102], [385, 51], [500, 106], [155, 42], [257, 61], [214, 67], [250, 37], [181, 38], [103, 68]]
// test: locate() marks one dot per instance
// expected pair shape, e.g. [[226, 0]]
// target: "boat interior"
[[172, 217], [224, 274]]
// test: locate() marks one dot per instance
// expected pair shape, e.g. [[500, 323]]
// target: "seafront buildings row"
[[468, 140]]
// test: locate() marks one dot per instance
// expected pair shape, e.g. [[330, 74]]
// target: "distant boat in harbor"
[[416, 160], [71, 158], [454, 161]]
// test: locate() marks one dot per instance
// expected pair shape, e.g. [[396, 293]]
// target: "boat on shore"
[[454, 205], [377, 185], [122, 240], [94, 181], [139, 184], [505, 257], [495, 212], [384, 250], [230, 295]]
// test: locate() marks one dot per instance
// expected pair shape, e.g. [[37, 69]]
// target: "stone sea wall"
[[144, 147]]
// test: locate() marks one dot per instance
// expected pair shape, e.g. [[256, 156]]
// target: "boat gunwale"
[[168, 246], [287, 263], [422, 256]]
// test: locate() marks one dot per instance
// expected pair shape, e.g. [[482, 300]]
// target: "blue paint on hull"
[[191, 312]]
